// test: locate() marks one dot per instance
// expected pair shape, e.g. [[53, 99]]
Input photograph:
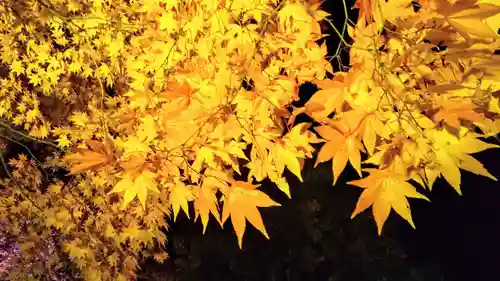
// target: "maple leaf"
[[133, 144], [168, 22], [161, 257], [206, 203], [373, 127], [468, 17], [452, 111], [452, 153], [80, 119], [293, 14], [330, 98], [178, 90], [391, 10], [135, 164], [147, 130], [98, 156], [385, 190], [180, 195], [17, 67], [342, 146], [115, 46], [241, 202], [63, 140], [113, 259], [136, 187], [287, 157], [365, 9], [259, 168], [75, 249], [127, 121]]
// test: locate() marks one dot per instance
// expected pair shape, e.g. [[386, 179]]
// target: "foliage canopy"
[[153, 104]]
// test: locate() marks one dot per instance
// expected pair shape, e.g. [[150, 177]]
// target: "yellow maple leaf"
[[373, 127], [17, 67], [147, 130], [137, 187], [385, 190], [167, 22], [330, 98], [116, 45], [180, 195], [468, 17], [294, 15], [134, 144], [452, 153], [204, 155], [80, 119], [342, 146], [283, 185], [285, 157], [75, 250]]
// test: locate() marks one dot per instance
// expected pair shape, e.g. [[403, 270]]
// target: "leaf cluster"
[[157, 105]]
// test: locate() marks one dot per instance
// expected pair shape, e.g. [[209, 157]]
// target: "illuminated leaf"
[[205, 203], [241, 204], [137, 187], [341, 147], [180, 195], [385, 191], [469, 17], [97, 157]]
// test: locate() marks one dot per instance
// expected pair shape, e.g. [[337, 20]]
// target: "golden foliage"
[[146, 99]]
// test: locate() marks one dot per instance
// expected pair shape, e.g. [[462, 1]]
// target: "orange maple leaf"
[[182, 92], [241, 203], [178, 90], [365, 9], [94, 158]]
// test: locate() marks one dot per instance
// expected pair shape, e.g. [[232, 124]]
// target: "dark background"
[[313, 237]]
